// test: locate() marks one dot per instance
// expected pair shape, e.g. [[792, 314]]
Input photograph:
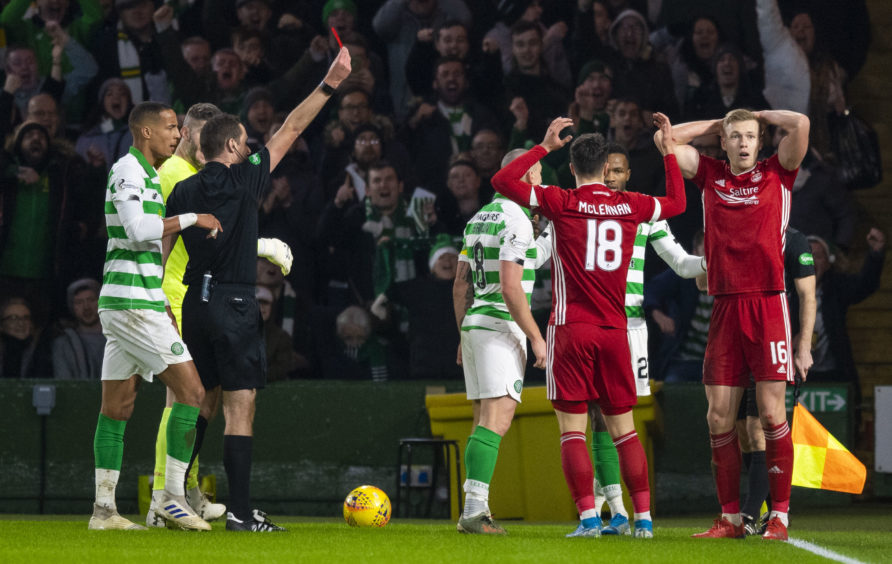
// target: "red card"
[[335, 32]]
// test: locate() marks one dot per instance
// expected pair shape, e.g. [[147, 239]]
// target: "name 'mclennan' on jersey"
[[745, 220], [592, 243], [134, 208], [501, 230]]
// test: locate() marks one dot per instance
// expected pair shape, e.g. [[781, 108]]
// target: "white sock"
[[614, 493], [176, 476], [106, 483], [600, 498], [475, 504], [588, 514], [734, 518], [645, 516], [782, 516]]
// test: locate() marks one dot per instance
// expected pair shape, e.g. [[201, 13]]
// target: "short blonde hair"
[[738, 115]]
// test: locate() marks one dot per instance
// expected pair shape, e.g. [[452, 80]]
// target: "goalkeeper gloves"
[[277, 252]]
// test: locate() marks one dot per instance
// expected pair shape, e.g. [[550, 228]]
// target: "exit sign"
[[818, 399]]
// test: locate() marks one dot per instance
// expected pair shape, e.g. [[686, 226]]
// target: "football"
[[367, 506]]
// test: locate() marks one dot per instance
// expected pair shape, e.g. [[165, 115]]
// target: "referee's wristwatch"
[[326, 88]]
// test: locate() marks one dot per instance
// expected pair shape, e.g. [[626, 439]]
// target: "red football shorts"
[[586, 363], [748, 333]]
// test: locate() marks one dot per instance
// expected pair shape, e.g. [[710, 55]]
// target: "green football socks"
[[108, 451], [180, 441], [606, 459], [108, 443], [480, 463], [161, 458], [181, 431], [607, 472], [481, 454]]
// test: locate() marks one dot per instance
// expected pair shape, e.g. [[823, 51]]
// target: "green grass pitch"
[[860, 533]]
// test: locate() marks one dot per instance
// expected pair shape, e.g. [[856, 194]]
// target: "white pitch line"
[[823, 552]]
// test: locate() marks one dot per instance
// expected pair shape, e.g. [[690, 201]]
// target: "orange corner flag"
[[819, 460]]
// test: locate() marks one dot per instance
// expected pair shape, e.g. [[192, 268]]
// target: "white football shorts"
[[139, 341], [493, 363], [638, 352]]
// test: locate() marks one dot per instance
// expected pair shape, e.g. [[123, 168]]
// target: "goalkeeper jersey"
[[172, 171]]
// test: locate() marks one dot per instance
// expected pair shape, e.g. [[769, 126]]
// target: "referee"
[[221, 319]]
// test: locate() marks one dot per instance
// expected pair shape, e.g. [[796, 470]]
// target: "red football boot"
[[722, 529], [775, 530]]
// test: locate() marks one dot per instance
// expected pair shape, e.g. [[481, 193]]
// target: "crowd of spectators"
[[373, 198]]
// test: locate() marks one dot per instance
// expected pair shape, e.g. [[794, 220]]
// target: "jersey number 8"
[[479, 273], [604, 245]]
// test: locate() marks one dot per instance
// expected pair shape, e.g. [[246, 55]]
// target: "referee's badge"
[[177, 348], [255, 159]]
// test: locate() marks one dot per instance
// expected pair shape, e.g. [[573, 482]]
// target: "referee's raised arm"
[[306, 111]]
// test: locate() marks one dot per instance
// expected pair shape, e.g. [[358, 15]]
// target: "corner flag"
[[819, 460]]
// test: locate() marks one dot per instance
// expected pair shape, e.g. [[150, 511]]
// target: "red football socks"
[[633, 466], [779, 459], [578, 471], [726, 469]]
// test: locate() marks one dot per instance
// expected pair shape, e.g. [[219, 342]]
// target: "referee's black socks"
[[237, 462], [757, 482]]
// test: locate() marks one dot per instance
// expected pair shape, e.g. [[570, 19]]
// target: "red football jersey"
[[745, 218], [594, 232]]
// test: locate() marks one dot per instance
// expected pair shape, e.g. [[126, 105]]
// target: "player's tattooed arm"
[[462, 292], [469, 293]]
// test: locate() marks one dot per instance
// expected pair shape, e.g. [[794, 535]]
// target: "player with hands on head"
[[493, 283], [746, 206], [588, 349], [799, 275]]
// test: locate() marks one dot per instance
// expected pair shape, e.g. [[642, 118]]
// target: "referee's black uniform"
[[224, 334]]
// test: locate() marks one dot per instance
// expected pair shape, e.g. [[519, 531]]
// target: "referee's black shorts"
[[225, 337], [748, 406]]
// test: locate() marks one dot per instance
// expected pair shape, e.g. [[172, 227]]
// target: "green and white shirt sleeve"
[[664, 243], [134, 211], [672, 253], [544, 245]]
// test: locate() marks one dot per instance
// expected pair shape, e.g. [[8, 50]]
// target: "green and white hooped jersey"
[[134, 211], [501, 230], [660, 237]]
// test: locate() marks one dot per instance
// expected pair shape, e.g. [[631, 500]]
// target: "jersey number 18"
[[604, 245]]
